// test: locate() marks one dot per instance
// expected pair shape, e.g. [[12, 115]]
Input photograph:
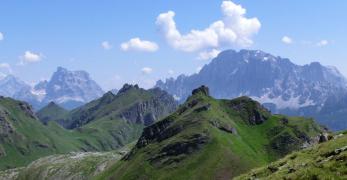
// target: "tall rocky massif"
[[276, 82]]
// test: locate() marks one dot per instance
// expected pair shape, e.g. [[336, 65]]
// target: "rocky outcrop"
[[27, 109], [251, 111], [126, 87], [224, 127], [146, 112], [6, 128], [157, 132], [202, 89], [173, 153]]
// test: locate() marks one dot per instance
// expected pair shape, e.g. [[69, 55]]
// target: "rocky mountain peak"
[[201, 90], [61, 69], [71, 87], [51, 104], [126, 87], [10, 85]]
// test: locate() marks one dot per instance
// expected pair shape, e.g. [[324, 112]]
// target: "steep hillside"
[[24, 138], [324, 161], [213, 139], [276, 82], [133, 104]]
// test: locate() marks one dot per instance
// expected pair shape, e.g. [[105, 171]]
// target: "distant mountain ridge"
[[132, 104], [69, 89], [279, 84]]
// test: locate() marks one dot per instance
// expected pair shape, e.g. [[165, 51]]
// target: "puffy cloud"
[[30, 57], [6, 67], [206, 55], [1, 36], [322, 43], [146, 70], [136, 44], [233, 30], [106, 45], [287, 40], [171, 72]]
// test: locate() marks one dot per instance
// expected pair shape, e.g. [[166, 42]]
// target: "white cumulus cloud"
[[287, 40], [322, 43], [1, 36], [106, 45], [171, 72], [30, 57], [136, 44], [234, 29], [146, 70], [206, 55]]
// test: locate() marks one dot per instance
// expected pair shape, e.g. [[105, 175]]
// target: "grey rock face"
[[257, 74], [149, 111], [71, 86]]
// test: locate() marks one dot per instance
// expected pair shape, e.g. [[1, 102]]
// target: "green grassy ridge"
[[327, 160], [223, 154], [106, 131], [100, 125]]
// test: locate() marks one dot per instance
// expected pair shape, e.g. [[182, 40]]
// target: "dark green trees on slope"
[[211, 139], [107, 123]]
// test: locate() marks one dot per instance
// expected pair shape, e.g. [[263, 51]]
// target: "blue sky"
[[37, 36]]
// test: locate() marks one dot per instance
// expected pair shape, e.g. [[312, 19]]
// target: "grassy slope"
[[324, 161], [30, 139], [106, 131], [224, 156]]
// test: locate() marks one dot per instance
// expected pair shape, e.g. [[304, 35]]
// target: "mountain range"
[[69, 89], [276, 82], [204, 138]]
